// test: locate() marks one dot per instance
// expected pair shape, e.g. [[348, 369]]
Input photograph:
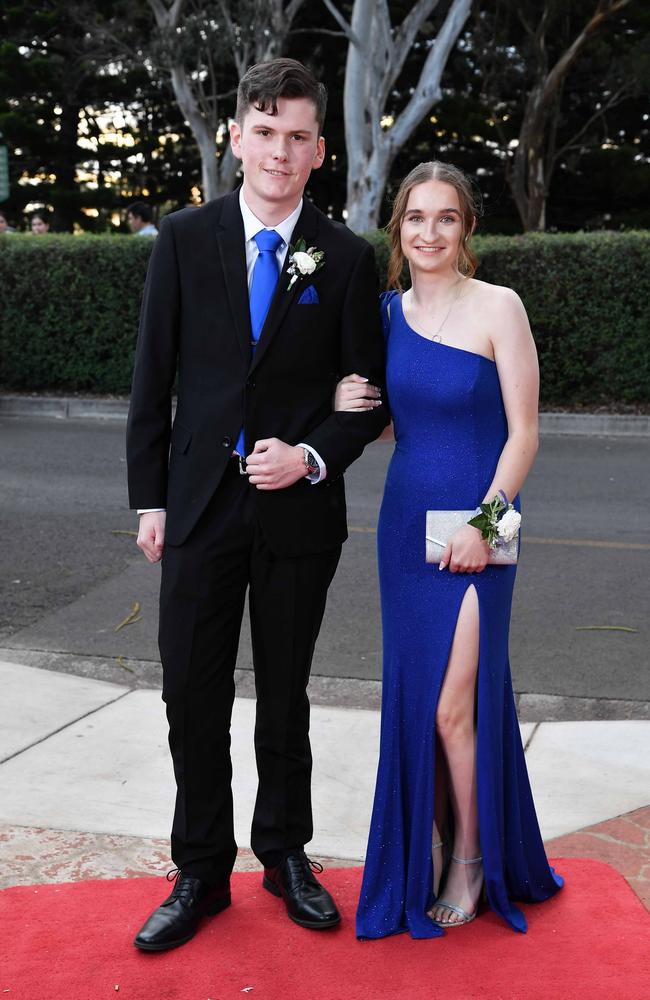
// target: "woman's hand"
[[354, 394], [466, 552]]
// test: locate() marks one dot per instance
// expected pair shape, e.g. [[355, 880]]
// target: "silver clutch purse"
[[441, 525]]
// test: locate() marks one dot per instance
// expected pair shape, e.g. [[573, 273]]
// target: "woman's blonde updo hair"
[[435, 170]]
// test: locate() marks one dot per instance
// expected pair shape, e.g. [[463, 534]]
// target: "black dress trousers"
[[203, 589]]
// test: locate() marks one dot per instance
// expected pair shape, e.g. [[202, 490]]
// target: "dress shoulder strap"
[[385, 300]]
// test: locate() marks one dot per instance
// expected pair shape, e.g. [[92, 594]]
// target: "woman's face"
[[40, 226], [432, 227], [3, 224]]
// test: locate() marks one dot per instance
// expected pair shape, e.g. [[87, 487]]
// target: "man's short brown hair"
[[263, 83]]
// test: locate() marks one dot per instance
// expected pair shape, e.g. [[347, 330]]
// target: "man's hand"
[[151, 535], [274, 465]]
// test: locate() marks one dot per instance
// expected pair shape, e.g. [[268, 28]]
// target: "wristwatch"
[[311, 465]]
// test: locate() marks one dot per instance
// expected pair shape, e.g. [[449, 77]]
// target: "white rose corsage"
[[303, 261], [498, 521]]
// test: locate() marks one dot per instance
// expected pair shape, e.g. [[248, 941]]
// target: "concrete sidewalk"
[[86, 787]]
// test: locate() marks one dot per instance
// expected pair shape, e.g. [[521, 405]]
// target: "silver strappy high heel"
[[465, 917]]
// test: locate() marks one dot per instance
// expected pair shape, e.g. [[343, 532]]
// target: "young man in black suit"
[[251, 493]]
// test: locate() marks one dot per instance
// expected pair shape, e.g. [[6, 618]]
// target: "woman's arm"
[[516, 358]]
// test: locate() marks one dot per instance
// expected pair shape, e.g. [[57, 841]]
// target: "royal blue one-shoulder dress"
[[450, 428]]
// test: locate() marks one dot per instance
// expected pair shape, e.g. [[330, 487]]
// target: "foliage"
[[69, 310], [588, 299], [85, 132], [601, 175], [59, 74]]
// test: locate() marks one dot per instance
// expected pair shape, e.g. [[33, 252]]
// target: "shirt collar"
[[252, 224]]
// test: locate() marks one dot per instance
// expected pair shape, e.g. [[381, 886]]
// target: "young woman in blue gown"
[[453, 811]]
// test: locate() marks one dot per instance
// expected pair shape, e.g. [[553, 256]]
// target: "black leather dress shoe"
[[177, 919], [307, 902]]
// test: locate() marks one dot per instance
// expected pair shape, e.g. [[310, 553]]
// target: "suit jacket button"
[[226, 442]]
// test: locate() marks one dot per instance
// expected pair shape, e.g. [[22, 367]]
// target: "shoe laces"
[[301, 867], [185, 886]]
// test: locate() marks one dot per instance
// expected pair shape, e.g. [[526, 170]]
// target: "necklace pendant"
[[437, 339]]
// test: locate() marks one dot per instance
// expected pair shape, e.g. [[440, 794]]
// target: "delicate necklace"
[[436, 336]]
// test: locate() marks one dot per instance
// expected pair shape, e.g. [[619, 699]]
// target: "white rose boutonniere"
[[303, 261]]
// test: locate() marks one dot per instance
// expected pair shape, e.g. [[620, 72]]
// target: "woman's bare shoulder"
[[502, 313], [497, 296]]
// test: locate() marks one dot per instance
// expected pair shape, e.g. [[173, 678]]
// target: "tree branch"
[[408, 29], [343, 24], [292, 9], [572, 143], [318, 31], [166, 17], [427, 91], [602, 13]]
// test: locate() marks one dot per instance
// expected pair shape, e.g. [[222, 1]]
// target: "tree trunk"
[[530, 176], [365, 189], [228, 166], [376, 56], [203, 133], [528, 181]]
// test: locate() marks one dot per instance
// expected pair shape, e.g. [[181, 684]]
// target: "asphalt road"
[[71, 573]]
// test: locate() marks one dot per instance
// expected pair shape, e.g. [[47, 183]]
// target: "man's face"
[[134, 222], [278, 152]]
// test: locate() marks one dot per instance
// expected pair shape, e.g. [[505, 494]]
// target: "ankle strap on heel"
[[466, 861]]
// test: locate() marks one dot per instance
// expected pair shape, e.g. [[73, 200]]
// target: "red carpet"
[[73, 942]]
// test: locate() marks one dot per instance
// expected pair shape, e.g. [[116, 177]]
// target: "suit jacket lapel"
[[230, 238], [307, 227]]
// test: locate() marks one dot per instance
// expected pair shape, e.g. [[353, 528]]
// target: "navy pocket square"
[[309, 296]]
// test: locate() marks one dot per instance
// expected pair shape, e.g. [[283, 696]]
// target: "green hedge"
[[69, 310]]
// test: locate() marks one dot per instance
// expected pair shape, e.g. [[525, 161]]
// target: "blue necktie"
[[263, 284]]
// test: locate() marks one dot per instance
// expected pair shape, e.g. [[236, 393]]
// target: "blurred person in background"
[[139, 217], [40, 222], [4, 224]]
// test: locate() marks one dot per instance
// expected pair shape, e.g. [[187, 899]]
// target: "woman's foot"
[[461, 893]]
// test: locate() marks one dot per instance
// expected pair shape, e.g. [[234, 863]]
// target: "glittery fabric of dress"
[[450, 429]]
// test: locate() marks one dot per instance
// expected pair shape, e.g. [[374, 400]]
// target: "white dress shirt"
[[252, 226]]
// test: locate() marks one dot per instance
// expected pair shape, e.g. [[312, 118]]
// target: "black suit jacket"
[[195, 323]]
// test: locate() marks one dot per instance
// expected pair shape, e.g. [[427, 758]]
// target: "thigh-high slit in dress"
[[450, 429]]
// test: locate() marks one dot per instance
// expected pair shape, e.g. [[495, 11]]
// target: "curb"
[[89, 408], [605, 424], [64, 408]]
